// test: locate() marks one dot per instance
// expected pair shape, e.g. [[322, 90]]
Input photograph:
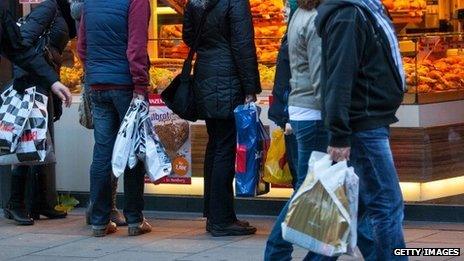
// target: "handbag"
[[179, 95], [85, 111]]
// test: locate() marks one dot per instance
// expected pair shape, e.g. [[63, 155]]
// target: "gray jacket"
[[305, 60]]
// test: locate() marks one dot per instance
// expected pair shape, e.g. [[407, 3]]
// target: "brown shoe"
[[117, 217], [109, 229], [139, 229]]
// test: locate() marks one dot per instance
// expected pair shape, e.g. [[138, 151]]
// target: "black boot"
[[16, 209], [116, 216], [40, 202]]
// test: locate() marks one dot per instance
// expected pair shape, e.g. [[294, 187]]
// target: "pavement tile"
[[8, 252], [39, 240], [412, 235], [143, 256], [50, 258], [256, 241], [444, 237], [227, 254], [180, 246], [201, 234]]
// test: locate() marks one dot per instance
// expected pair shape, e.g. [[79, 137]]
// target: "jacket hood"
[[328, 7]]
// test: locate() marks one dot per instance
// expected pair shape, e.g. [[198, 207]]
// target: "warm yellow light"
[[165, 11], [412, 191]]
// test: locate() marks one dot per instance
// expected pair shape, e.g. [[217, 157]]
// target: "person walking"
[[44, 18], [116, 216], [225, 76], [12, 47], [278, 109], [112, 44], [304, 108], [363, 86]]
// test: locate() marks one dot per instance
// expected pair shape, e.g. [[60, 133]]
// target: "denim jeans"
[[109, 108], [310, 136], [381, 205]]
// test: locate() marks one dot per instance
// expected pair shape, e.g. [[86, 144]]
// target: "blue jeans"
[[310, 136], [109, 108], [380, 200]]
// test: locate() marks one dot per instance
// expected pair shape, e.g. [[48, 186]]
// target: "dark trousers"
[[220, 171], [109, 108]]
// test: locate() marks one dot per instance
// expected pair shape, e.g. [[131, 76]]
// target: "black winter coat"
[[46, 16], [12, 47], [226, 68]]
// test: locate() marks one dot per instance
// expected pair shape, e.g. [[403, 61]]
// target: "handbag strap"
[[187, 67]]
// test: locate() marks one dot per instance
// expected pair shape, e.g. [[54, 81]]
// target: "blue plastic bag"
[[252, 144]]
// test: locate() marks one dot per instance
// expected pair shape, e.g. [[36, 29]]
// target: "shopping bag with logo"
[[14, 112], [322, 215], [252, 144], [276, 169], [34, 145], [124, 140], [156, 160]]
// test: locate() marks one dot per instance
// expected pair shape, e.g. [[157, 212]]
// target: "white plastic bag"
[[124, 141], [322, 215], [34, 145], [14, 112]]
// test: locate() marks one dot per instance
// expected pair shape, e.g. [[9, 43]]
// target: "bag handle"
[[187, 67]]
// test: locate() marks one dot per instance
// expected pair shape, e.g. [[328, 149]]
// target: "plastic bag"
[[14, 112], [276, 169], [252, 145], [124, 141], [157, 161], [34, 144], [322, 216]]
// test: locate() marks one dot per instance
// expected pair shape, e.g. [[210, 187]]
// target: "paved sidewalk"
[[176, 236]]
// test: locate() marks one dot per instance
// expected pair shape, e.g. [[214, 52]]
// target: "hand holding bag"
[[179, 95]]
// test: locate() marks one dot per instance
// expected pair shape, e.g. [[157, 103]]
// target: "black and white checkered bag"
[[32, 146], [14, 112]]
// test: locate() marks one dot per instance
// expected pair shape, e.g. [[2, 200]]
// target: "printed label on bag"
[[174, 134]]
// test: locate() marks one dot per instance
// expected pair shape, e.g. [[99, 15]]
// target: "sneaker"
[[101, 232], [139, 229], [233, 229]]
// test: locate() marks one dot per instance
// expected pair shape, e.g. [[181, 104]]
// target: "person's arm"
[[82, 41], [343, 53], [243, 47], [314, 54], [188, 27], [137, 53]]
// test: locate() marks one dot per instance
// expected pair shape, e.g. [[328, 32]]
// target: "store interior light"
[[412, 191], [165, 11]]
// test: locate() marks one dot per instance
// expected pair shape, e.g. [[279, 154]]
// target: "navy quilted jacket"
[[226, 68]]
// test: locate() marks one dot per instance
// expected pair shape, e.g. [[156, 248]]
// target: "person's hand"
[[288, 129], [140, 96], [250, 98], [339, 154], [63, 93]]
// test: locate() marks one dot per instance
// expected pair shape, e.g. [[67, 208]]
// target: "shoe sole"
[[233, 233]]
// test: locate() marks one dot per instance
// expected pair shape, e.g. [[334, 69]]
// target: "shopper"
[[45, 17], [363, 86], [26, 57], [112, 44], [116, 216], [304, 107], [225, 76], [278, 110]]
